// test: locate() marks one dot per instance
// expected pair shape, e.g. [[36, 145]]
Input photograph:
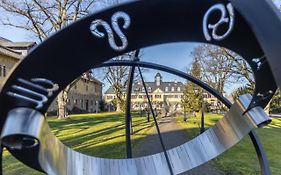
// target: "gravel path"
[[173, 135]]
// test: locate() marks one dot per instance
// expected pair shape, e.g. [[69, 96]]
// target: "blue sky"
[[176, 55]]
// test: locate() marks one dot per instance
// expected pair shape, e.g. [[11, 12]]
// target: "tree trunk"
[[118, 106], [62, 100]]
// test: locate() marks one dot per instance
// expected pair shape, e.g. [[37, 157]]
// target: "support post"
[[202, 128], [156, 124], [128, 117]]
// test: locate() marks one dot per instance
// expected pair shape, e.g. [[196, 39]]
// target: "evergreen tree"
[[275, 104], [193, 94]]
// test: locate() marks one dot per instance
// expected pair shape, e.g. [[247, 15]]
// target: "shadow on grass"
[[109, 142]]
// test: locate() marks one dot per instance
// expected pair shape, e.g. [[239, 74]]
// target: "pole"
[[128, 117], [156, 124], [202, 129]]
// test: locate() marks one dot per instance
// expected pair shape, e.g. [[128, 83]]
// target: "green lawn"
[[103, 135], [241, 159], [99, 135]]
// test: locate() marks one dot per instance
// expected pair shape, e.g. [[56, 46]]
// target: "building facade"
[[165, 96], [11, 53], [84, 96]]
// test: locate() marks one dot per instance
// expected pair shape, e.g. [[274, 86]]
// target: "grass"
[[100, 135], [242, 159]]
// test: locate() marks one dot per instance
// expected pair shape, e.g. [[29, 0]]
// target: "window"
[[75, 86], [143, 89], [109, 97], [95, 87], [149, 89], [87, 88], [176, 96], [166, 89], [140, 96], [173, 89], [75, 102], [4, 71], [179, 89], [205, 95], [157, 96]]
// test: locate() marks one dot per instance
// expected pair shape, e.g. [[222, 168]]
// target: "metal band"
[[57, 159], [145, 28]]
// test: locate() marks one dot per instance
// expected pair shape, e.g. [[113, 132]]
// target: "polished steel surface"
[[57, 159], [22, 125]]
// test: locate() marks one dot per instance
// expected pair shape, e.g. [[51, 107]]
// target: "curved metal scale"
[[31, 87], [56, 158]]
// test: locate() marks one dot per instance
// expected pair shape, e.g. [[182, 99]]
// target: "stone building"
[[84, 96], [11, 53], [164, 95]]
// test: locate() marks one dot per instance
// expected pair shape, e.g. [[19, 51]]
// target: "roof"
[[10, 44], [12, 49], [91, 78], [10, 53], [137, 87], [158, 75], [4, 39]]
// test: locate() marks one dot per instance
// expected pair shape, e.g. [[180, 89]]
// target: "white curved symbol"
[[223, 19], [116, 28], [33, 91]]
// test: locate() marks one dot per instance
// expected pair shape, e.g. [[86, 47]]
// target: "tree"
[[43, 18], [240, 91], [193, 95], [275, 103], [117, 77], [221, 67]]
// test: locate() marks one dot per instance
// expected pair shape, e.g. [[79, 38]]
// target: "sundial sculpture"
[[250, 30]]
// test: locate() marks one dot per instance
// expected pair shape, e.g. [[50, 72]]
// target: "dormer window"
[[149, 89], [166, 89], [172, 89], [179, 89]]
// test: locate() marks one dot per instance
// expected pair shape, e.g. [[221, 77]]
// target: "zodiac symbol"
[[116, 28], [35, 91], [223, 19]]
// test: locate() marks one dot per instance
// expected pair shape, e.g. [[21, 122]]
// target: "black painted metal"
[[156, 124], [264, 164], [265, 169], [265, 26], [261, 37], [128, 117], [202, 128]]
